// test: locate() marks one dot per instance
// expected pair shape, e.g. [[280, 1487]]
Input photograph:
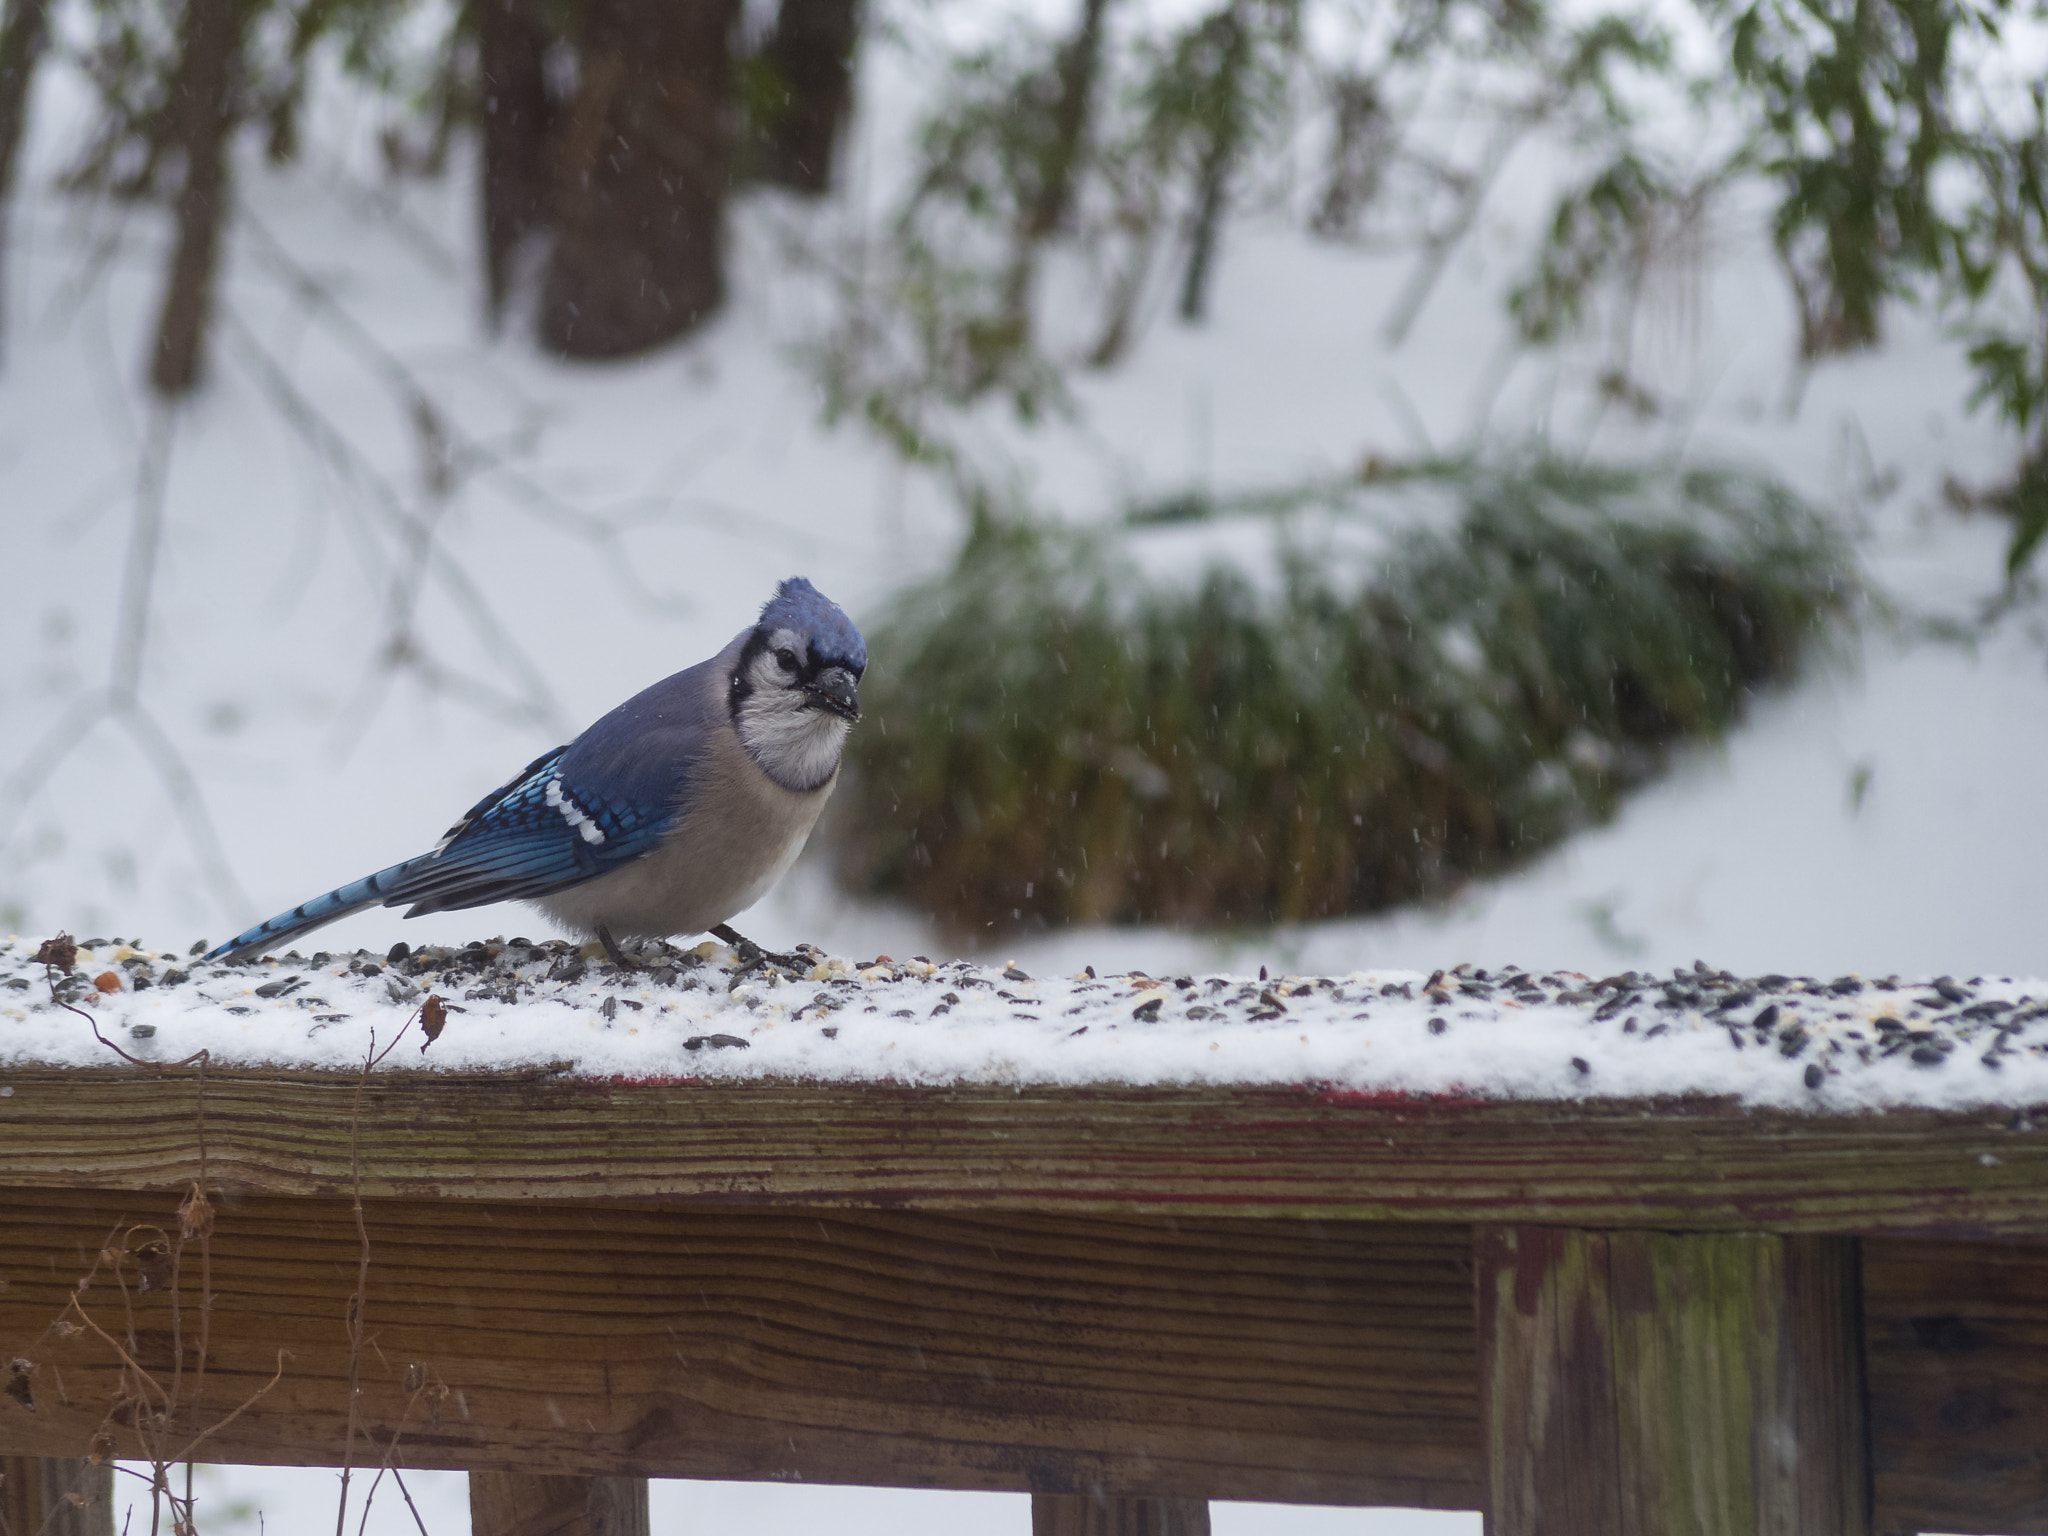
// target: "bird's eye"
[[787, 660]]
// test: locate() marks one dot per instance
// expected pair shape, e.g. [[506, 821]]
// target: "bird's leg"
[[742, 946], [611, 948], [751, 954]]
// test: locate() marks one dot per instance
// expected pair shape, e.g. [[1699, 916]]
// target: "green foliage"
[[1600, 232], [1116, 153], [130, 52], [2026, 499], [1055, 736], [1899, 177], [1854, 123], [1100, 144]]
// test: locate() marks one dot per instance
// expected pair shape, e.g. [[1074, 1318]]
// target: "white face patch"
[[797, 745], [766, 673], [572, 812]]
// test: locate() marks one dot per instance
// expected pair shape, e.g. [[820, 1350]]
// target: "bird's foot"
[[611, 948], [752, 955]]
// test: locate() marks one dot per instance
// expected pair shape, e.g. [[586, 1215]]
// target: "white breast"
[[740, 836]]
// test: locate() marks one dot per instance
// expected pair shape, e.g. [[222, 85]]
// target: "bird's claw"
[[751, 955], [611, 949]]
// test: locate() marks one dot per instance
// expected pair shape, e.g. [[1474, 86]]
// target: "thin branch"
[[380, 200], [398, 1478], [539, 706], [390, 1450], [127, 1359], [241, 1408], [139, 574], [190, 802], [359, 1301], [120, 700], [462, 452], [43, 759], [1440, 245]]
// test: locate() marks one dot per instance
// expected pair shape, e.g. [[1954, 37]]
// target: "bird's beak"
[[834, 690]]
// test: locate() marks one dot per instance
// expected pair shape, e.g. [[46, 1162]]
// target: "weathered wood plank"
[[1687, 1165], [1163, 1357], [1957, 1343], [539, 1504], [56, 1496], [1547, 1396], [1957, 1350], [1651, 1381], [1085, 1514]]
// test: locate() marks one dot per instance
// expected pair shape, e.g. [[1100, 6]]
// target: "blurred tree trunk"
[[809, 58], [1064, 142], [1229, 37], [24, 30], [1079, 63], [512, 44], [203, 121], [640, 179]]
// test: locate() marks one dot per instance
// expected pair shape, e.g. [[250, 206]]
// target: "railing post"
[[538, 1504], [56, 1496], [1705, 1383], [1095, 1514]]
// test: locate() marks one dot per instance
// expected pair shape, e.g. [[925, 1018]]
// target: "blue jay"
[[678, 809]]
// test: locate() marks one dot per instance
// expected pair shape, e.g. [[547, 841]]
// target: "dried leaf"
[[59, 952], [18, 1372], [433, 1019], [195, 1215], [101, 1449], [154, 1260]]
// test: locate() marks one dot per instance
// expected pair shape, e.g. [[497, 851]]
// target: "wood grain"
[[1083, 1514], [1681, 1165], [541, 1504], [1957, 1350], [1190, 1357], [1654, 1381], [1551, 1454], [56, 1496]]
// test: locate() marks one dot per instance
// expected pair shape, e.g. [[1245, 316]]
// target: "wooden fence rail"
[[1577, 1317]]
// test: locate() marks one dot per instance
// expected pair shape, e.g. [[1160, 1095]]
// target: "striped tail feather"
[[338, 903]]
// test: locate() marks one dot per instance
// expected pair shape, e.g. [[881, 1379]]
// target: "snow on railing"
[[709, 1012]]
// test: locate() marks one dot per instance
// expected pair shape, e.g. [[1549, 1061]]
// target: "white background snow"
[[1887, 814]]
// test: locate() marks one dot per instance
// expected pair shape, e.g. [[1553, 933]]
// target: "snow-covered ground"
[[600, 527], [263, 1501]]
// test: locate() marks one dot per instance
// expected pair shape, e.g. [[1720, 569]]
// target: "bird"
[[674, 812]]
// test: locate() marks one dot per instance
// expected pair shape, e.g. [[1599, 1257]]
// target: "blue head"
[[795, 689], [818, 623]]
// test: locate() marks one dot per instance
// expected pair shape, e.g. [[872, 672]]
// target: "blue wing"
[[571, 815], [541, 833], [538, 834]]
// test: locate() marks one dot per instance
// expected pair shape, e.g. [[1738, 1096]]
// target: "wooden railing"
[[1606, 1316]]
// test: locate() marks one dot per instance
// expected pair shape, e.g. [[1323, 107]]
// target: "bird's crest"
[[800, 606]]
